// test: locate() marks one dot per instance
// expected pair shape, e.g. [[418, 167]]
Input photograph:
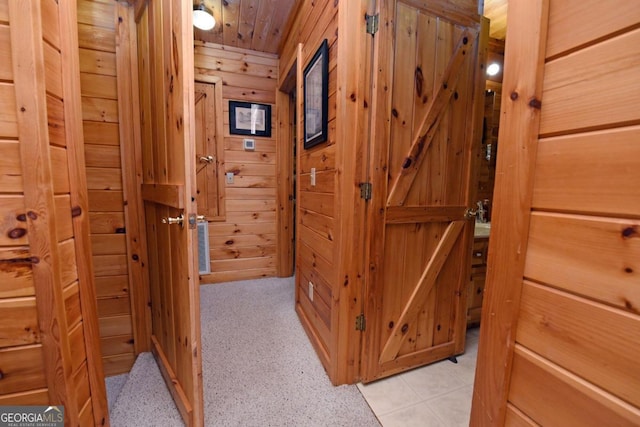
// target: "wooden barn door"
[[422, 158], [165, 55]]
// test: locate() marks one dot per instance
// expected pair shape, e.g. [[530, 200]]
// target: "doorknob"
[[470, 213], [174, 220], [206, 159]]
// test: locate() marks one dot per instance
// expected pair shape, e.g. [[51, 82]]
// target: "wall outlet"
[[313, 177], [230, 176], [311, 291], [249, 144]]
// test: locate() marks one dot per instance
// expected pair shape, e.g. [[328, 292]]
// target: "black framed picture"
[[248, 118], [316, 97]]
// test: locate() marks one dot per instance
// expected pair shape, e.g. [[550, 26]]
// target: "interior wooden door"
[[165, 55], [423, 144], [209, 151]]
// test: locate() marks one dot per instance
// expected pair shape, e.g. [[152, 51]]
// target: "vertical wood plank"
[[513, 192], [352, 130], [31, 105], [79, 199], [131, 162]]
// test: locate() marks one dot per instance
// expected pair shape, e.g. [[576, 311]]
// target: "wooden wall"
[[563, 294], [317, 205], [330, 215], [243, 246], [97, 40], [49, 349]]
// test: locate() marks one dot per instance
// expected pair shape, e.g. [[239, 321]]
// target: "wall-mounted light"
[[203, 17], [493, 69]]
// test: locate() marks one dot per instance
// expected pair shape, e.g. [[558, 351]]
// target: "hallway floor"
[[435, 395]]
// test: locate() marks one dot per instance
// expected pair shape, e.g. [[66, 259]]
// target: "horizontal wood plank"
[[106, 222], [593, 88], [109, 265], [10, 167], [19, 322], [576, 23], [22, 369], [115, 325], [99, 110], [8, 120], [6, 66], [580, 254], [120, 344], [105, 201], [98, 86], [97, 132], [97, 62], [587, 338], [598, 180], [108, 286], [108, 244], [239, 252], [16, 279], [164, 194], [118, 364], [114, 306], [418, 214], [102, 156], [538, 385]]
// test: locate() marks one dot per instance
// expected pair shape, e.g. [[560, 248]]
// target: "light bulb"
[[202, 18], [493, 69]]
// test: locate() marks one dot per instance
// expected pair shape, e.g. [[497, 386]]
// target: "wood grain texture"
[[244, 75], [421, 157], [510, 223], [131, 164], [595, 84], [30, 93], [581, 187], [168, 160], [575, 334], [538, 385], [572, 319]]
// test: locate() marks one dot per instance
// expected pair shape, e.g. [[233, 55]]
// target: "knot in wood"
[[407, 162], [535, 103], [16, 233], [514, 95], [405, 328]]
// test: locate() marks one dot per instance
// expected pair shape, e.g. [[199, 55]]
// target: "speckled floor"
[[259, 368]]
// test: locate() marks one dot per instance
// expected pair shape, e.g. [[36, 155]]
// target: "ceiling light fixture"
[[203, 17], [493, 69]]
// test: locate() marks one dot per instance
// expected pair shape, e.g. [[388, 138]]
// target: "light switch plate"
[[249, 144], [230, 176], [313, 177]]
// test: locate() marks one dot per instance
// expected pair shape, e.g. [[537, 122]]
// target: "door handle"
[[206, 159], [174, 220], [470, 213]]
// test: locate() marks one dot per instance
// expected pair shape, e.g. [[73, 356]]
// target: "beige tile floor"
[[435, 395]]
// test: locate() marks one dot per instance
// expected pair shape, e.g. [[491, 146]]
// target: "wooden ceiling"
[[260, 24], [250, 24], [496, 11]]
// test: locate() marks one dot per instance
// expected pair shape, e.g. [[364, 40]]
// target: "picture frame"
[[249, 118], [316, 97]]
